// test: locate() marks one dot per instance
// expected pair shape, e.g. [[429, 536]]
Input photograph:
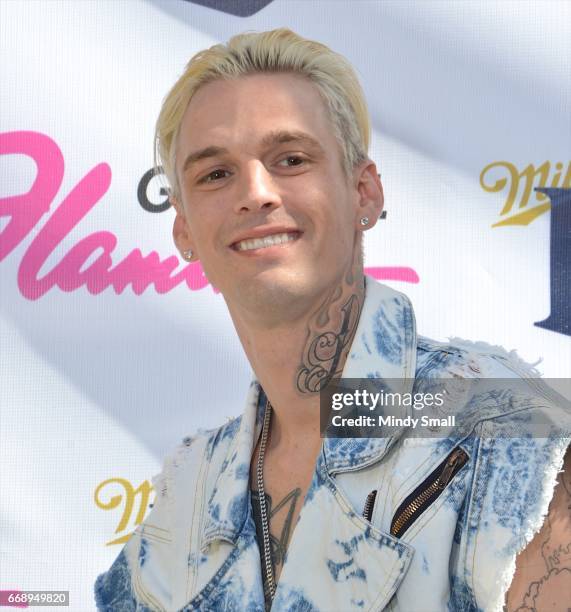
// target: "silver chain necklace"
[[270, 579]]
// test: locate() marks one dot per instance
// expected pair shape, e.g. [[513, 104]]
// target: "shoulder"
[[522, 430], [494, 382], [469, 359], [142, 574], [184, 464]]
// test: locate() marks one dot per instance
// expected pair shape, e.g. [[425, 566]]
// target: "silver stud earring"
[[364, 221], [187, 254]]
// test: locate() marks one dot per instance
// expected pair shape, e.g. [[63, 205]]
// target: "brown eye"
[[215, 175], [292, 160]]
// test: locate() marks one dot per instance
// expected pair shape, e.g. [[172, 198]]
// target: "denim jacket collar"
[[384, 346]]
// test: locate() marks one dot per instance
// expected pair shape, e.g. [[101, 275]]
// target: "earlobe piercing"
[[364, 221], [187, 254]]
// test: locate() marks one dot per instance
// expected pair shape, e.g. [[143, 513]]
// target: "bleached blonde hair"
[[275, 51]]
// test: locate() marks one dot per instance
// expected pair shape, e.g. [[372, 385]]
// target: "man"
[[264, 143]]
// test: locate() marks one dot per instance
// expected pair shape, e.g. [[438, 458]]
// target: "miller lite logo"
[[523, 204]]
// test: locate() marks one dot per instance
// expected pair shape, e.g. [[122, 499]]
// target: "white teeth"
[[260, 243]]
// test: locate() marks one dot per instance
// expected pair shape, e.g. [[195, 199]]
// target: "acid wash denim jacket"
[[197, 549]]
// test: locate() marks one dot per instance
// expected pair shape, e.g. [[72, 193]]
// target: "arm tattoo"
[[539, 595], [552, 588]]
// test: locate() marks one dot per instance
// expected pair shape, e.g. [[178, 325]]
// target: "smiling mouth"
[[267, 241]]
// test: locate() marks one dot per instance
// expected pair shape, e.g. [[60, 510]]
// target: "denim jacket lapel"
[[227, 508], [228, 568]]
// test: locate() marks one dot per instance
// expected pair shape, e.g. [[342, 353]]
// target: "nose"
[[257, 190]]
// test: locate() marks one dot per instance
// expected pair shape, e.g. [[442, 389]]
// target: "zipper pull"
[[369, 505], [457, 457]]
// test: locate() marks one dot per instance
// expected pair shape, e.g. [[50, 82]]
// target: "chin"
[[280, 292]]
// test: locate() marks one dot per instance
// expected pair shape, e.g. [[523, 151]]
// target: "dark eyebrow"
[[269, 140]]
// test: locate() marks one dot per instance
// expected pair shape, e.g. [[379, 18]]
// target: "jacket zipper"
[[427, 492], [369, 505]]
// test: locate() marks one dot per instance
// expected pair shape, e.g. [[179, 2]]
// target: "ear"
[[181, 233], [371, 198]]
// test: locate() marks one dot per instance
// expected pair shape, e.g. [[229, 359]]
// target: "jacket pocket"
[[427, 492]]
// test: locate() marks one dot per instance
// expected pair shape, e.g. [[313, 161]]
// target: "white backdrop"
[[98, 384]]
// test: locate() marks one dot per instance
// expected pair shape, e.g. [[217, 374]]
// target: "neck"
[[295, 360]]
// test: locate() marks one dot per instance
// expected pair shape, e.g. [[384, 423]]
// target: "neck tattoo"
[[325, 352]]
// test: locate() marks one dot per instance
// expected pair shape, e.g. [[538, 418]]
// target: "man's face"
[[256, 159]]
